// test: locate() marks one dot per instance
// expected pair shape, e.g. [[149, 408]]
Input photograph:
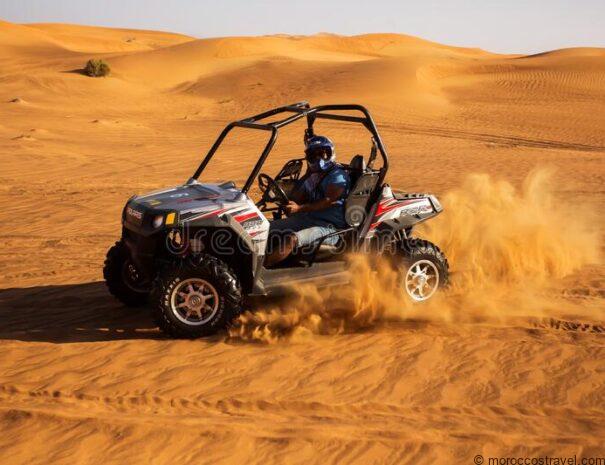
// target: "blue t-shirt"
[[315, 189]]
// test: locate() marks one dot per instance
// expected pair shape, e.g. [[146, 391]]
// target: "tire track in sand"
[[507, 141], [387, 422]]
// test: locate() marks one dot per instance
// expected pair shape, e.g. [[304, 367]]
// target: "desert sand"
[[510, 361]]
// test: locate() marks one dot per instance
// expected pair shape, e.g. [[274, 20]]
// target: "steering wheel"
[[272, 192]]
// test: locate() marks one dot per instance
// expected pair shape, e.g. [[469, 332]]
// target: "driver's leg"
[[281, 251], [282, 238], [290, 223]]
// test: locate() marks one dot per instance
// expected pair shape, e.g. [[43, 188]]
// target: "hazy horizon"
[[513, 27]]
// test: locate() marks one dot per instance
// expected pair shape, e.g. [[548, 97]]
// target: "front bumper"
[[143, 249]]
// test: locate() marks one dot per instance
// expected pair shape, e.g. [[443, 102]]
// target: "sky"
[[511, 26]]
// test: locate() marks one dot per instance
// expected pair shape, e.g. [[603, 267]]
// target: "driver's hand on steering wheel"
[[292, 208]]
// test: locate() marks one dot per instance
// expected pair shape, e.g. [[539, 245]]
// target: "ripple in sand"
[[25, 137]]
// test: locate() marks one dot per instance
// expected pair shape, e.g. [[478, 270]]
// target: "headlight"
[[158, 221]]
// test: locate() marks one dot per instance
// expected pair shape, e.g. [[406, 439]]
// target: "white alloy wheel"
[[194, 301], [421, 280]]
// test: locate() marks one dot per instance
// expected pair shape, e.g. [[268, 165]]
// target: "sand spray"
[[505, 246]]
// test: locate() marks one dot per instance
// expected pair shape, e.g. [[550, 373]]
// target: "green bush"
[[97, 68]]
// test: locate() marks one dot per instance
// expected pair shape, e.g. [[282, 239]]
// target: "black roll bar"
[[300, 110]]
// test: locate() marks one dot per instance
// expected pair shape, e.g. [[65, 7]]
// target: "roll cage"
[[297, 111]]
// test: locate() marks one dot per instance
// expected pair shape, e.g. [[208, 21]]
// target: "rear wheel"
[[123, 279], [197, 297], [426, 269]]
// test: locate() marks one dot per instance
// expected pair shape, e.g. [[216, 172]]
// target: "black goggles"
[[317, 153]]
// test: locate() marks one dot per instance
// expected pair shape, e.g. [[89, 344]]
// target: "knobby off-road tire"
[[122, 279], [197, 297], [425, 269]]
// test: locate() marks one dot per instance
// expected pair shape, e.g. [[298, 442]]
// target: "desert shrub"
[[97, 68]]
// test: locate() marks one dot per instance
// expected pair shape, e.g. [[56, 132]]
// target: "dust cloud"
[[505, 246]]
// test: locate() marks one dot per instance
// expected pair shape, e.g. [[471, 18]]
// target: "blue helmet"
[[320, 153]]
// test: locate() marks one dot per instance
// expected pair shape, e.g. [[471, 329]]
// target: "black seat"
[[356, 168], [363, 183]]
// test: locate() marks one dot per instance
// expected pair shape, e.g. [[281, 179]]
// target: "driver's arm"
[[333, 193], [298, 195]]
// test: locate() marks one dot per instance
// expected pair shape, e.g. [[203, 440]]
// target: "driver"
[[316, 206]]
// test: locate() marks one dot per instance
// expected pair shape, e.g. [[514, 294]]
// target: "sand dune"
[[509, 362], [84, 38], [27, 39], [106, 40]]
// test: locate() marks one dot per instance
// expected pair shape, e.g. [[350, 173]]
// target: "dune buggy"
[[197, 250]]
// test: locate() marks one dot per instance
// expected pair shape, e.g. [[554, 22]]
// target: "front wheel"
[[426, 269], [196, 298], [122, 277]]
